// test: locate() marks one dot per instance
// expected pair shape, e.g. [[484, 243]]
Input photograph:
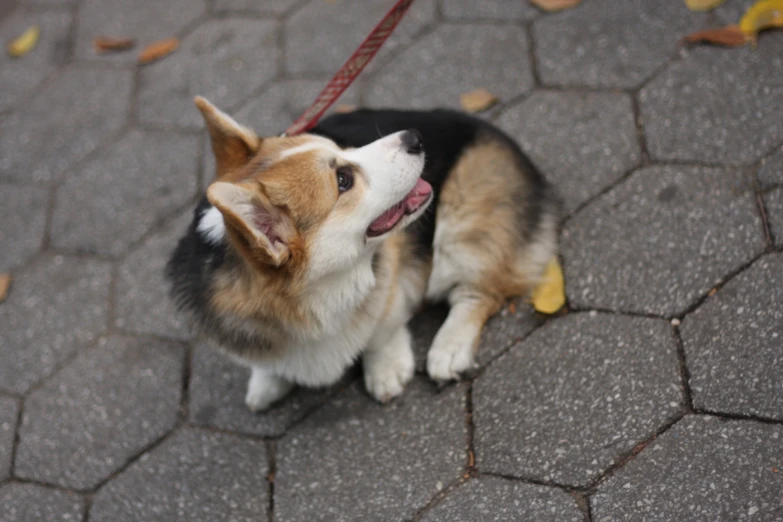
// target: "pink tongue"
[[418, 195], [415, 198], [388, 219]]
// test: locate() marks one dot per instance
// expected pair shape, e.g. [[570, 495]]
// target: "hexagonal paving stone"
[[576, 396], [686, 116], [19, 77], [321, 36], [731, 12], [63, 122], [196, 476], [127, 18], [33, 503], [223, 60], [492, 9], [604, 43], [23, 215], [142, 303], [9, 410], [277, 7], [509, 325], [703, 468], [733, 344], [773, 201], [217, 398], [106, 406], [355, 459], [55, 307], [581, 141], [660, 240], [116, 198], [770, 173], [451, 60], [487, 499]]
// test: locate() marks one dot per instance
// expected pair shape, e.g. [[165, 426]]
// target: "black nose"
[[411, 140]]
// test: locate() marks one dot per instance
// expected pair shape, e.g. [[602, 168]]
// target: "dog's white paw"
[[389, 369], [263, 390], [449, 358]]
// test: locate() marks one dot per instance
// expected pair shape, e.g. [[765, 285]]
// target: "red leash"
[[351, 69]]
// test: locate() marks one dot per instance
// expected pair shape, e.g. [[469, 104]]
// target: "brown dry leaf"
[[344, 108], [104, 44], [764, 14], [25, 42], [157, 50], [549, 297], [555, 5], [712, 292], [512, 308], [729, 36], [5, 284], [703, 5], [477, 100]]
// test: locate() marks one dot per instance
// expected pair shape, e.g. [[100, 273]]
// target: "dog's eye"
[[344, 179]]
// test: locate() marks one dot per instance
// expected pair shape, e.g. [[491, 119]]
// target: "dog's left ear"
[[233, 144]]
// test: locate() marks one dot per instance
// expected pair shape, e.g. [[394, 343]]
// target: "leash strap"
[[351, 69]]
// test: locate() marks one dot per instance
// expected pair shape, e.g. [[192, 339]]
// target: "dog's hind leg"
[[265, 388]]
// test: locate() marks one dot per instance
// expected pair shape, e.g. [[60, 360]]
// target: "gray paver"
[[510, 324], [703, 469], [581, 141], [733, 344], [452, 60], [127, 19], [661, 239], [771, 171], [113, 200], [489, 499], [223, 60], [773, 202], [33, 503], [605, 43], [23, 215], [686, 116], [18, 76], [142, 303], [9, 410], [277, 7], [321, 36], [731, 12], [217, 392], [355, 459], [576, 396], [194, 475], [488, 9], [80, 427], [63, 122], [55, 307]]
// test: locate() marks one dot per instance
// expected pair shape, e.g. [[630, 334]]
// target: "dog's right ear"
[[232, 144]]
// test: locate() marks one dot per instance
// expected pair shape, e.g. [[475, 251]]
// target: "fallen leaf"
[[471, 459], [104, 44], [344, 108], [25, 42], [549, 297], [5, 284], [703, 5], [729, 36], [512, 308], [775, 470], [712, 292], [157, 50], [477, 100], [764, 14], [555, 5]]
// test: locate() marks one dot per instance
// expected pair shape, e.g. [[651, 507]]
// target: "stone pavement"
[[657, 396]]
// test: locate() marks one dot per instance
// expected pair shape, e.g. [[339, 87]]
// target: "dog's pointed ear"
[[262, 231], [232, 144]]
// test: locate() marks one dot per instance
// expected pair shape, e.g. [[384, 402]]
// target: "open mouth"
[[416, 198]]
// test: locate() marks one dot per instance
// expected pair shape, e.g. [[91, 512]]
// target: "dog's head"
[[302, 202]]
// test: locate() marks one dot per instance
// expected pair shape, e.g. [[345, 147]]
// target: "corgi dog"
[[312, 251]]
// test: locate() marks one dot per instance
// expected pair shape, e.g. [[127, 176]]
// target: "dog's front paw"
[[449, 358], [263, 390], [388, 370]]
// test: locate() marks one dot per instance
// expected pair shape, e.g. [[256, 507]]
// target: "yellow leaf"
[[24, 43], [477, 100], [549, 297], [5, 283], [703, 5], [764, 14], [555, 5]]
